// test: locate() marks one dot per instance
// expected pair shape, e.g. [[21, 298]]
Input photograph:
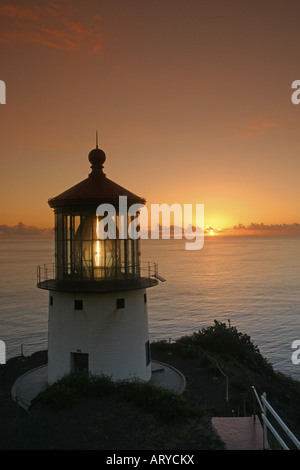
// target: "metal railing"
[[265, 406], [143, 269], [45, 272], [26, 349]]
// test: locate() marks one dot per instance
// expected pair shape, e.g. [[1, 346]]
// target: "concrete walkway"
[[166, 376], [29, 385]]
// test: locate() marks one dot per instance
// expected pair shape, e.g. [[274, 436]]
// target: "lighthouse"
[[98, 318]]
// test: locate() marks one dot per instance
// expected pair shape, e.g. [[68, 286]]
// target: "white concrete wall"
[[114, 338]]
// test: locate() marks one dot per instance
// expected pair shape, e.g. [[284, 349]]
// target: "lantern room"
[[82, 255]]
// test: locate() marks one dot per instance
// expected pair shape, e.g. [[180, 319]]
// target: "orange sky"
[[192, 102]]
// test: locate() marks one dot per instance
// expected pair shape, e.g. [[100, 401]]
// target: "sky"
[[191, 100]]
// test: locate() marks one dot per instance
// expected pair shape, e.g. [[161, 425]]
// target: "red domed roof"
[[94, 190]]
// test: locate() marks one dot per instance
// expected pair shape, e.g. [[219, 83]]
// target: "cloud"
[[49, 25], [16, 13], [22, 230], [262, 125], [53, 39], [76, 27], [254, 129], [272, 229]]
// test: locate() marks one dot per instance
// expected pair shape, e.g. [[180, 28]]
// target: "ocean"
[[253, 282]]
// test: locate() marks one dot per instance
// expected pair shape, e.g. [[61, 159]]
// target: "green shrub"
[[58, 396], [69, 389], [163, 403], [229, 343]]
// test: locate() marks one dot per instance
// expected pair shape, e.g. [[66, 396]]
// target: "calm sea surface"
[[252, 281]]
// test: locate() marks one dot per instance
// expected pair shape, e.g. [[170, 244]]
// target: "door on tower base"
[[79, 361]]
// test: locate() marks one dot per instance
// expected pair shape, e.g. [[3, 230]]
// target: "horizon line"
[[22, 230]]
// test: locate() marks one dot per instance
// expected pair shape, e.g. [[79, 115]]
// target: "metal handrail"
[[265, 406], [142, 269]]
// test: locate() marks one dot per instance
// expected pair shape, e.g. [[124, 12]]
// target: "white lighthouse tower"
[[98, 316]]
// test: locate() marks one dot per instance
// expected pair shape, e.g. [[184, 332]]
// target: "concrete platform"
[[166, 376], [240, 433], [29, 385]]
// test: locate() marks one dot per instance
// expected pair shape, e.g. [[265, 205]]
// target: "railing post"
[[227, 390], [265, 424], [254, 406]]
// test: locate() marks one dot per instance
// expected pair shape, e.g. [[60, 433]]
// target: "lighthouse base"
[[104, 333]]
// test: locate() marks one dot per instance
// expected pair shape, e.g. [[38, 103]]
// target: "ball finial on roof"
[[96, 156]]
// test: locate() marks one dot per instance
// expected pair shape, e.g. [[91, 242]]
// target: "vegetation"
[[230, 343], [163, 403]]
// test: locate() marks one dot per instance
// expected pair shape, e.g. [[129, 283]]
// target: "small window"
[[147, 347], [145, 298], [51, 300], [78, 304], [120, 303]]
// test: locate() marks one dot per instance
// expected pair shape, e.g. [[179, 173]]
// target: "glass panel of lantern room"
[[137, 257], [59, 240], [85, 255], [77, 248], [98, 252], [111, 262], [75, 223], [65, 244], [133, 256], [132, 245], [68, 254], [121, 254], [118, 249], [129, 257], [121, 247], [127, 251]]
